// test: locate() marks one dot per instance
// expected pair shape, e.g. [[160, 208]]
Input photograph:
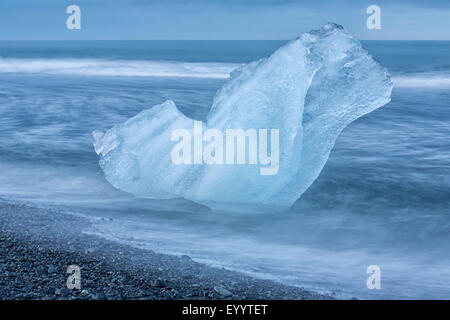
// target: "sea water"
[[382, 199]]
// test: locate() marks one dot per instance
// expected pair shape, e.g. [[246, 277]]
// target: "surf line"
[[228, 149]]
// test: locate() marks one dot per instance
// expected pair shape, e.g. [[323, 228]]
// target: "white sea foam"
[[153, 68], [135, 68], [423, 80]]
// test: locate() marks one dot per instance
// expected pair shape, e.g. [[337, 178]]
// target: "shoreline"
[[37, 246]]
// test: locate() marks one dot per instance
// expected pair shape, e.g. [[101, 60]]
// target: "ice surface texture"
[[309, 89]]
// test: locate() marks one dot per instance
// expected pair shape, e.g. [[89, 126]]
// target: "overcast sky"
[[214, 19]]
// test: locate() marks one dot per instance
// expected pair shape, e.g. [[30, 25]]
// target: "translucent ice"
[[309, 89]]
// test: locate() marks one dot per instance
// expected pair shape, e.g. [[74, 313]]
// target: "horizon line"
[[207, 39]]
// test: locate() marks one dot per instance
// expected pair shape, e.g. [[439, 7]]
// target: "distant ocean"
[[383, 197]]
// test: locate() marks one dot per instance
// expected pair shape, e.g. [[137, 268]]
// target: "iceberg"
[[309, 90]]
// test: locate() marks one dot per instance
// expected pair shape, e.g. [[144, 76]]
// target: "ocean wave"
[[131, 68], [177, 69], [423, 80]]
